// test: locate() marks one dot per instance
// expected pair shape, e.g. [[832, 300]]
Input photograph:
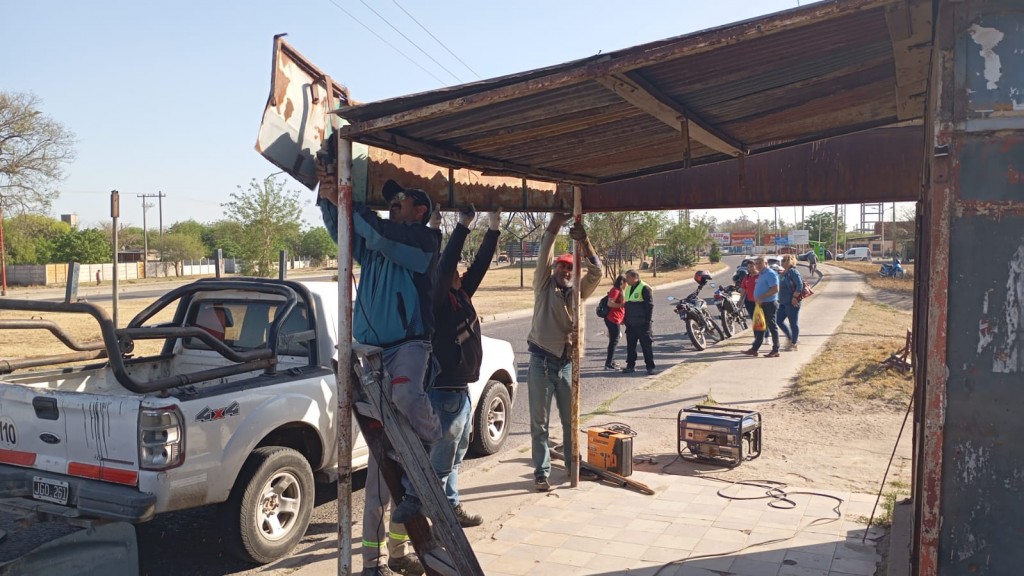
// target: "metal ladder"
[[442, 547]]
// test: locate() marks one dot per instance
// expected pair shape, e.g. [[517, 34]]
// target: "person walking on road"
[[393, 309], [459, 350], [790, 286], [812, 262], [551, 338], [639, 322], [766, 294], [613, 321]]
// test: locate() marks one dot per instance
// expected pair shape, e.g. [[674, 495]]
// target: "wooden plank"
[[459, 558]]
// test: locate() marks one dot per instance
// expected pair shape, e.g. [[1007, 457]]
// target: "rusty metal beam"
[[843, 169], [633, 88], [602, 66], [456, 159]]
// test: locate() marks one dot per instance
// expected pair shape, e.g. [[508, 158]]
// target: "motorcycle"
[[894, 270], [700, 326], [729, 300]]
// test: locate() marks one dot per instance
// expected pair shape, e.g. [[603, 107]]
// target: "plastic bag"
[[760, 324]]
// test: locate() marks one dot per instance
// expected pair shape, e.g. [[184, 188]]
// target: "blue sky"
[[167, 97]]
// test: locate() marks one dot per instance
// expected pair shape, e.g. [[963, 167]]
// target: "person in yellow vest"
[[639, 321]]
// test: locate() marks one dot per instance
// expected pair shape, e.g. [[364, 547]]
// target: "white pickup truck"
[[238, 408]]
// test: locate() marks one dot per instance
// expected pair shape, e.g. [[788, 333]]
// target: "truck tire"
[[491, 420], [270, 505]]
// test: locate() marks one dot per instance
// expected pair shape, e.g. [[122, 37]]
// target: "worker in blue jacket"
[[393, 309]]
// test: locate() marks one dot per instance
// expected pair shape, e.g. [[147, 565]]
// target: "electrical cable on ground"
[[881, 487], [779, 499]]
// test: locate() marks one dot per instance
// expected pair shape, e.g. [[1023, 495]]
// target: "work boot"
[[750, 352], [377, 571], [405, 511], [467, 520], [408, 565]]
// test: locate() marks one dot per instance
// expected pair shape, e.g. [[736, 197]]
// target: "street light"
[[757, 229]]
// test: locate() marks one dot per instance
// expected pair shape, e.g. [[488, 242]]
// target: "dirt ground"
[[838, 425]]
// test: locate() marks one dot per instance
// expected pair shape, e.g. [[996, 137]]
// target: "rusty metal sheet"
[[992, 56], [996, 161], [296, 118], [826, 172]]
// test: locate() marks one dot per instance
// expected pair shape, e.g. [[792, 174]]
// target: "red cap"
[[566, 258]]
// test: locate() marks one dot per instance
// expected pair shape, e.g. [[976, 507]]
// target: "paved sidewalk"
[[692, 526]]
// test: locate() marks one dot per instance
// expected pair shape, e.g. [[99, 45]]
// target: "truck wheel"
[[270, 505], [491, 420]]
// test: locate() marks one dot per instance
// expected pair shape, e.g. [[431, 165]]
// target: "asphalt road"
[[190, 542]]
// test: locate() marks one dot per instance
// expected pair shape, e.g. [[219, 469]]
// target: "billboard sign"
[[722, 238], [799, 237]]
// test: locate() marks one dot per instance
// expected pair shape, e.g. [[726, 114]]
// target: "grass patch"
[[849, 367], [870, 272], [883, 518]]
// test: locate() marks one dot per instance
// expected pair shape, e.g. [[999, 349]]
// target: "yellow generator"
[[610, 449]]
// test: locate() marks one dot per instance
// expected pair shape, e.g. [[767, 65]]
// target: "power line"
[[409, 40], [436, 39], [393, 47]]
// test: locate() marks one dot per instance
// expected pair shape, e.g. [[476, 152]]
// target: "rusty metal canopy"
[[815, 72]]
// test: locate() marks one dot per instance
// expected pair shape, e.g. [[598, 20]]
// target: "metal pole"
[[160, 196], [282, 260], [345, 384], [835, 232], [522, 257], [572, 445], [115, 213], [145, 240], [3, 254]]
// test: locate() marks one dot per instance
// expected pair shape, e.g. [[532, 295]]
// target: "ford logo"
[[49, 438]]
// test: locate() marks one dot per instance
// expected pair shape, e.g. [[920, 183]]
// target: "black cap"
[[419, 197]]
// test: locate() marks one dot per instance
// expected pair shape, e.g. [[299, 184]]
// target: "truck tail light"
[[161, 438]]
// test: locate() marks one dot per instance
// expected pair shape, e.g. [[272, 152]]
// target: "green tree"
[[188, 228], [225, 235], [89, 246], [821, 228], [617, 236], [271, 221], [33, 152], [178, 247], [684, 240], [29, 238], [715, 253], [317, 245]]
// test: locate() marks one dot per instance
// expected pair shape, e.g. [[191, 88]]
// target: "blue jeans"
[[792, 313], [454, 409], [547, 378], [770, 310]]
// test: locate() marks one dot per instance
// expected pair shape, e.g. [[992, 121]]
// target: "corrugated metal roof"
[[819, 71]]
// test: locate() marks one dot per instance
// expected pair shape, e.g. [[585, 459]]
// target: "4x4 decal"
[[210, 414]]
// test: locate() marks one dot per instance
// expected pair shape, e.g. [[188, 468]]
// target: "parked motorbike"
[[894, 270], [729, 300], [693, 310]]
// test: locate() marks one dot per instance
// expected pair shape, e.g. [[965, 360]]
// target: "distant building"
[[71, 219]]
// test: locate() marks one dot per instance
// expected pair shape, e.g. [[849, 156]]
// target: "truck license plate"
[[49, 490]]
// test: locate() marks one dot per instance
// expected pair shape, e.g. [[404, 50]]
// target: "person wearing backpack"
[[639, 322], [791, 285], [613, 319]]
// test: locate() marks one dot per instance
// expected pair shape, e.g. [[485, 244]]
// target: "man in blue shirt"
[[766, 294]]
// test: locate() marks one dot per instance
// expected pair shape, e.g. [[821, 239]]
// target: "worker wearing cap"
[[393, 309], [550, 339]]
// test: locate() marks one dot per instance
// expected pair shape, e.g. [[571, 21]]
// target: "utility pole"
[[145, 230], [3, 253], [160, 200]]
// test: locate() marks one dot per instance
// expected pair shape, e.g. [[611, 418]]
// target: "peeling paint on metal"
[[1008, 355], [973, 462], [986, 331], [988, 39]]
